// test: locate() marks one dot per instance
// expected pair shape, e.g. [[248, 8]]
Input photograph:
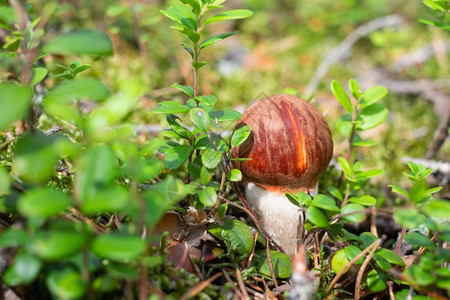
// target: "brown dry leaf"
[[172, 223], [181, 254], [197, 234]]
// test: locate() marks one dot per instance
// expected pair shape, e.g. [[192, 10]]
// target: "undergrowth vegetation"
[[116, 180]]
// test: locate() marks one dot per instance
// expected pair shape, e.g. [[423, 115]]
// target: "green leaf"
[[369, 174], [23, 271], [316, 217], [408, 217], [344, 125], [372, 95], [341, 96], [351, 252], [230, 15], [195, 4], [391, 257], [176, 156], [324, 202], [436, 5], [182, 15], [335, 193], [105, 284], [208, 196], [376, 280], [7, 14], [367, 238], [66, 284], [96, 170], [438, 209], [200, 118], [419, 275], [177, 128], [237, 236], [12, 237], [170, 107], [57, 100], [363, 200], [118, 246], [105, 200], [339, 261], [43, 203], [161, 197], [5, 182], [234, 175], [189, 50], [188, 90], [382, 263], [356, 217], [419, 240], [14, 103], [398, 190], [35, 157], [55, 244], [345, 165], [436, 24], [209, 100], [281, 263], [240, 135], [371, 116], [225, 115], [198, 65], [216, 38], [80, 42], [37, 75], [354, 88], [211, 158]]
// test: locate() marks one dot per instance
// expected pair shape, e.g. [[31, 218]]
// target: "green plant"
[[73, 238], [441, 10]]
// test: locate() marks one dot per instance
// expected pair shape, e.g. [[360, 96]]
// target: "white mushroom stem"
[[277, 214]]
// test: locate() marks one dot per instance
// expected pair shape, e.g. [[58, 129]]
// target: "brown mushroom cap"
[[289, 146]]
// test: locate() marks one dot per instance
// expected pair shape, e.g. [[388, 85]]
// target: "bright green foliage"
[[237, 236], [84, 190], [281, 263], [14, 103], [442, 10], [80, 42]]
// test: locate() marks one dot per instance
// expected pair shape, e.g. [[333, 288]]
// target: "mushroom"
[[289, 146]]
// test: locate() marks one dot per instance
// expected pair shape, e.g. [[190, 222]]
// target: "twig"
[[316, 250], [390, 285], [269, 262], [200, 286], [53, 130], [233, 285], [355, 259], [400, 240], [361, 272], [373, 219], [418, 56], [241, 284], [268, 292], [250, 257], [345, 46]]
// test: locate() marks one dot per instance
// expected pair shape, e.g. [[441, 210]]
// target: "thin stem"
[[361, 272], [400, 240], [355, 259]]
